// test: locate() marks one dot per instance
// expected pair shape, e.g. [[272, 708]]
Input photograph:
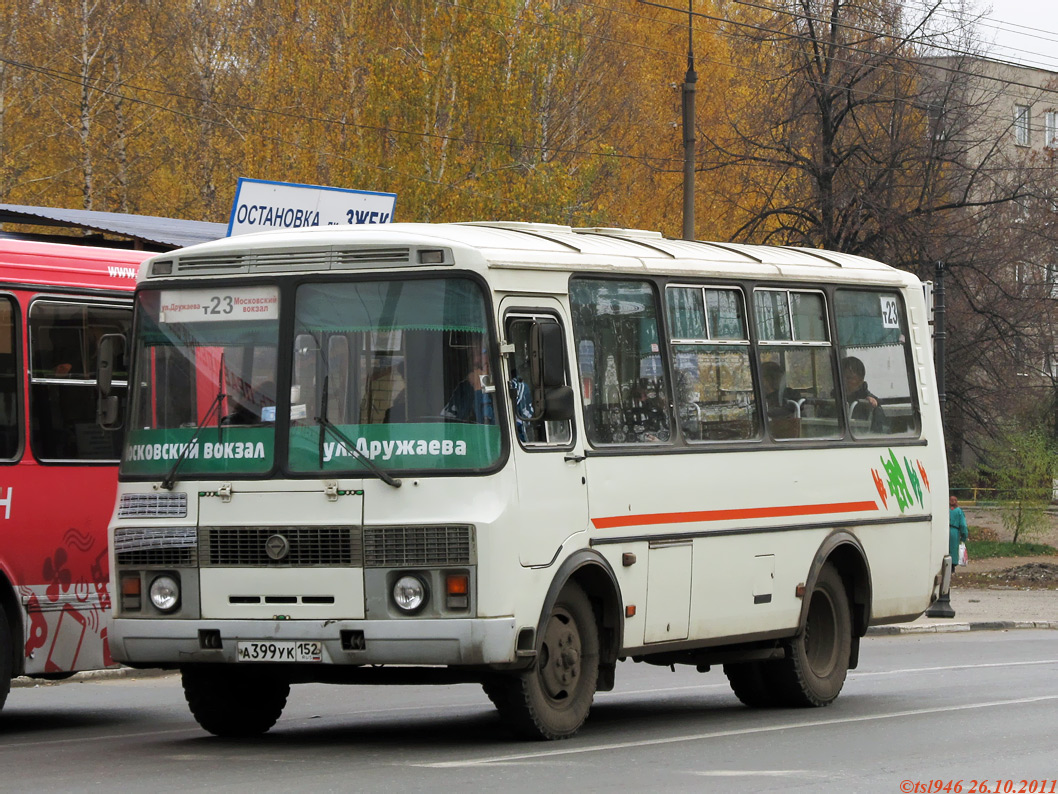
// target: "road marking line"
[[857, 674], [694, 737], [109, 737], [758, 773]]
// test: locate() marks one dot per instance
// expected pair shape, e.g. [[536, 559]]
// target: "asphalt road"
[[951, 707]]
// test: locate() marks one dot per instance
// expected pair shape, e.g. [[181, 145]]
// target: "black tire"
[[752, 683], [552, 699], [7, 657], [234, 702], [817, 660]]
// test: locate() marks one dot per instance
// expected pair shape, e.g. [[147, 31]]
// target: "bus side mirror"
[[558, 404], [547, 370], [111, 346]]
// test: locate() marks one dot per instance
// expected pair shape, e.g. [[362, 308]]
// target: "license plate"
[[280, 651]]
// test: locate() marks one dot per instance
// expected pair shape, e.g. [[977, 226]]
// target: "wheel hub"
[[560, 662]]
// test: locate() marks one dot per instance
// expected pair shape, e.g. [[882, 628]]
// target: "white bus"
[[516, 454]]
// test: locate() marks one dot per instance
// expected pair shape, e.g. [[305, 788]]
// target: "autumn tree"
[[880, 133]]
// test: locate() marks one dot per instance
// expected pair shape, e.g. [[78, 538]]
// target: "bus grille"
[[152, 505], [388, 547], [290, 547], [169, 546]]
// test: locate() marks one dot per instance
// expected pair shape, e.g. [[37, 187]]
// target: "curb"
[[947, 628], [112, 674]]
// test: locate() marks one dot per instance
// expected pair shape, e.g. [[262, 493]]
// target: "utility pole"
[[689, 86], [940, 337], [941, 608]]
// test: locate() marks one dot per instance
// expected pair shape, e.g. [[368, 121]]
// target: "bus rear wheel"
[[234, 702], [752, 683], [7, 657], [552, 699], [817, 660]]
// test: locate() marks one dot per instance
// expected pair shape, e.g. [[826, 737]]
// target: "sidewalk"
[[982, 609]]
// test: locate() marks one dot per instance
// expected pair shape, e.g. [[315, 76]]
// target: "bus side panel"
[[53, 529], [749, 526]]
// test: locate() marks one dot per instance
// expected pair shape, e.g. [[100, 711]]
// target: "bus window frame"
[[86, 302], [529, 313], [18, 351], [657, 287], [914, 385], [673, 341]]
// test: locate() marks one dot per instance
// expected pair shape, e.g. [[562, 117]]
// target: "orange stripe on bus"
[[733, 515]]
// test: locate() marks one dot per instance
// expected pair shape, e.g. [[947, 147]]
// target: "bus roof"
[[49, 265], [523, 245]]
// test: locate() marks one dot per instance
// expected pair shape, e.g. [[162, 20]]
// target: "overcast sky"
[[1025, 31]]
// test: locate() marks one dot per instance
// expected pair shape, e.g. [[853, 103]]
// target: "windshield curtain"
[[400, 371], [205, 382]]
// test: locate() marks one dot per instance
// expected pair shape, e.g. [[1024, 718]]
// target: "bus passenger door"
[[548, 453]]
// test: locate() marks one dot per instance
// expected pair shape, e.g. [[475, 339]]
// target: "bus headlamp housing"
[[165, 593], [410, 593]]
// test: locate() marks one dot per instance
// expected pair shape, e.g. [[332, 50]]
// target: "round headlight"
[[409, 593], [165, 593]]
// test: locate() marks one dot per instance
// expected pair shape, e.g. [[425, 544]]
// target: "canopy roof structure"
[[113, 229]]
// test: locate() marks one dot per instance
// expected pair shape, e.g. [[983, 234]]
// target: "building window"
[[1050, 129], [1021, 125], [1052, 280]]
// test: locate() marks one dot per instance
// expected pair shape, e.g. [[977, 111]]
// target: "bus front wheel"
[[234, 702], [817, 660], [7, 657], [552, 699]]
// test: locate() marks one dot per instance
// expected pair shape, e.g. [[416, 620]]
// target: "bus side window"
[[63, 340], [711, 362], [530, 431], [799, 393], [624, 386], [876, 364], [9, 381]]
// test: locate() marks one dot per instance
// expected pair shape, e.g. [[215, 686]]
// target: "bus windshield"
[[204, 392], [395, 372], [399, 370]]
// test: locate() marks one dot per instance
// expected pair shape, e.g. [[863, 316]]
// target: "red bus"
[[58, 468]]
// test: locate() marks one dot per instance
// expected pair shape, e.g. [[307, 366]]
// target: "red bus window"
[[63, 336], [9, 380]]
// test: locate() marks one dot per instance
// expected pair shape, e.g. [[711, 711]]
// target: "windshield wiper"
[[326, 424], [170, 479]]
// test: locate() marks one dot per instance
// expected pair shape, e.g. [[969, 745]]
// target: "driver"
[[471, 401]]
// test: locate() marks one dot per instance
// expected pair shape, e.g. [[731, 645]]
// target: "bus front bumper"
[[163, 643]]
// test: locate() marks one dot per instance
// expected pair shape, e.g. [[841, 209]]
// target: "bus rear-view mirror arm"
[[111, 346]]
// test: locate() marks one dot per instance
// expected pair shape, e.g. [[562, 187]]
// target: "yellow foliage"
[[563, 111]]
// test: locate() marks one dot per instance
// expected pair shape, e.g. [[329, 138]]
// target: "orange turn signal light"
[[130, 585], [457, 584]]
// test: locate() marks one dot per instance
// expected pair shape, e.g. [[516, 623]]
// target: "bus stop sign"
[[261, 205]]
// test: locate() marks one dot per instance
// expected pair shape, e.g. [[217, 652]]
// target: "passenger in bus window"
[[863, 406], [63, 353], [472, 399], [522, 400], [778, 399]]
